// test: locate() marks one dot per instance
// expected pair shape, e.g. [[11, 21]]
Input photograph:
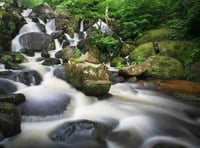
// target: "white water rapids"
[[142, 117]]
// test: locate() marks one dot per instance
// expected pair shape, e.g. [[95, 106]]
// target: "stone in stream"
[[90, 78], [27, 77], [83, 133], [9, 120], [12, 98], [7, 87], [51, 61]]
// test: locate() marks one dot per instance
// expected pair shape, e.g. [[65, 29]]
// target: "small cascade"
[[103, 27], [50, 26], [26, 14]]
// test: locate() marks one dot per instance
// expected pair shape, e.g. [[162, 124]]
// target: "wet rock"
[[83, 133], [59, 72], [7, 87], [86, 75], [12, 98], [36, 41], [51, 61], [115, 77], [27, 77], [168, 145], [13, 66], [44, 12], [67, 53], [9, 120], [45, 54]]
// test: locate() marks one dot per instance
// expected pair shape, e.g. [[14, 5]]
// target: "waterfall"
[[133, 116]]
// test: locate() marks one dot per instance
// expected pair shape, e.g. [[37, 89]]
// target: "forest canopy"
[[136, 16]]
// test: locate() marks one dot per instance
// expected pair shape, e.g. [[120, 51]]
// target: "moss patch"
[[154, 35], [165, 68]]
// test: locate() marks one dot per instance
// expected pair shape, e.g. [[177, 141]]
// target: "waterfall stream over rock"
[[56, 115]]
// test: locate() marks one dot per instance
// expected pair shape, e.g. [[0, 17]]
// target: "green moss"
[[166, 68], [118, 62], [154, 35], [177, 49], [32, 3], [141, 53], [126, 49]]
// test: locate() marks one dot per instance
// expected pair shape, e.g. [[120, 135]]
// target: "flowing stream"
[[140, 118]]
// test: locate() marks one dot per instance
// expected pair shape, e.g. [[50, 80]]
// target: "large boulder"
[[154, 35], [9, 26], [179, 50], [164, 67], [36, 41], [83, 133], [141, 53], [9, 120], [67, 53], [90, 78], [136, 70]]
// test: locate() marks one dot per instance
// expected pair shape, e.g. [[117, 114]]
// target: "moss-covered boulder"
[[127, 48], [154, 35], [9, 120], [90, 78], [165, 68], [118, 62], [141, 53], [10, 23], [179, 50], [67, 53]]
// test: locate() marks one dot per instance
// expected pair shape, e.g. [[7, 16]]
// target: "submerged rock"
[[83, 133], [7, 87], [9, 120], [90, 78], [27, 77]]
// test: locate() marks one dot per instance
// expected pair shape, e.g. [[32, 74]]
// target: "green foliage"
[[32, 3], [105, 43], [15, 57], [6, 59]]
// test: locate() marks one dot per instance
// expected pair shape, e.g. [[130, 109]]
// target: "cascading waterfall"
[[139, 118]]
